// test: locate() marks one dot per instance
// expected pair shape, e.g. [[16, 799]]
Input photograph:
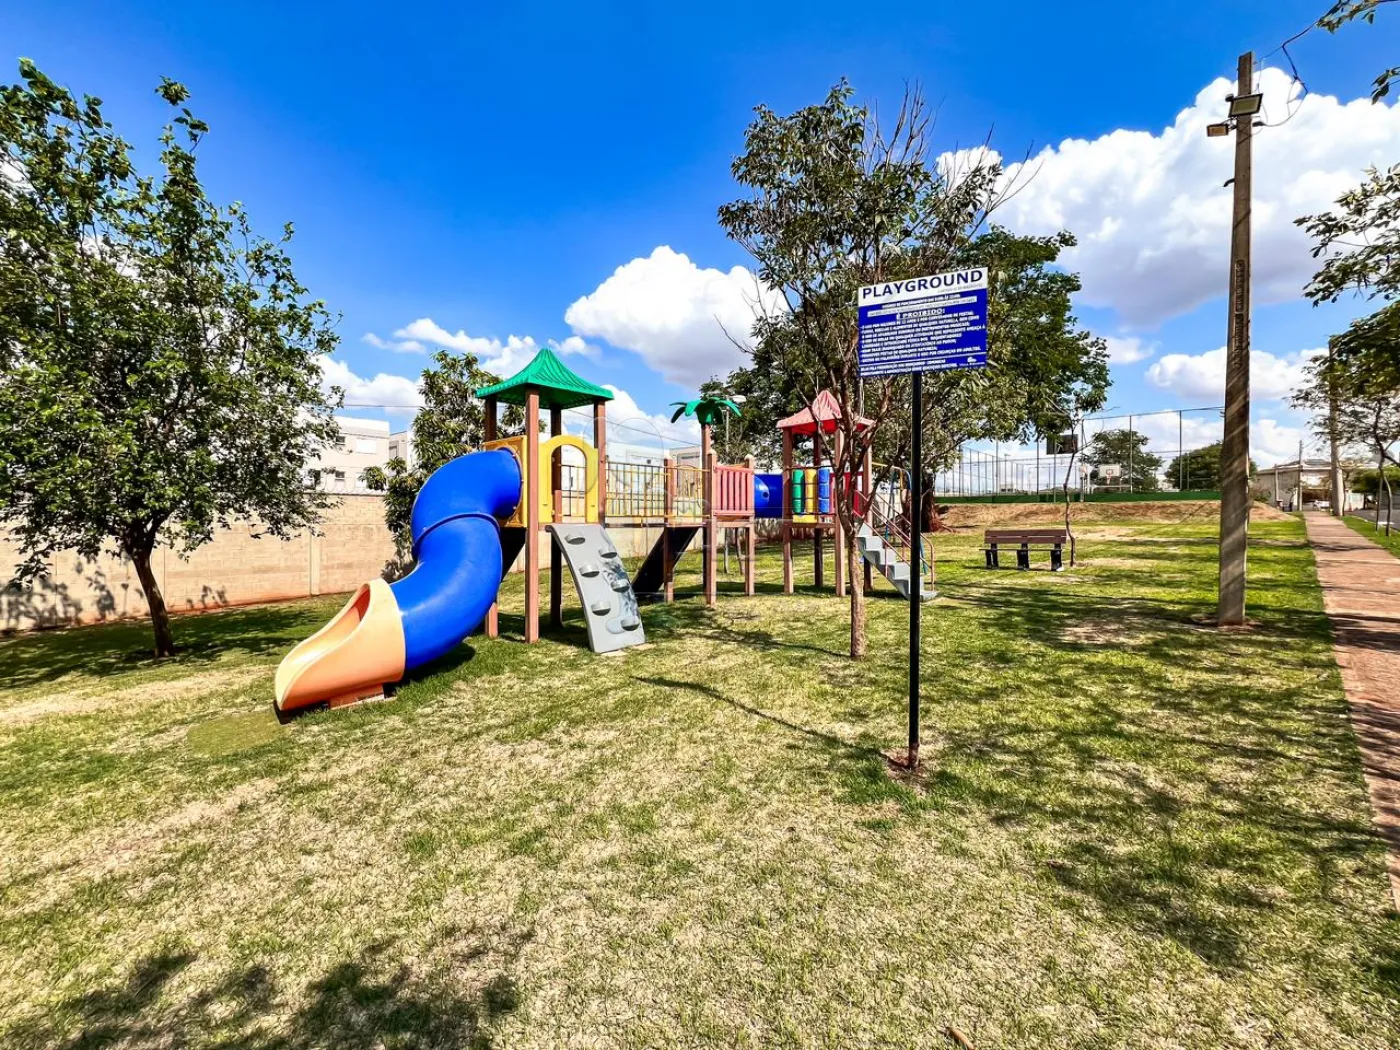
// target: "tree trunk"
[[140, 555], [858, 642]]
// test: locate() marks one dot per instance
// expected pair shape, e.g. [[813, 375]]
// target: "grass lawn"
[[1377, 536], [1134, 832]]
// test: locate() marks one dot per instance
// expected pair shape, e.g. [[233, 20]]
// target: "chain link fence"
[[1166, 452]]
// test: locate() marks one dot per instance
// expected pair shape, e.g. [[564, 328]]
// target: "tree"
[[1126, 449], [451, 422], [1035, 352], [838, 201], [1198, 469], [159, 371], [1361, 376], [1365, 231], [1344, 11]]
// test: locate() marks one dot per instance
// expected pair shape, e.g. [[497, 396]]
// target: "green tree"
[[159, 369], [1126, 449], [1368, 482], [1344, 11], [1360, 240], [451, 422], [1197, 470], [1360, 376], [1036, 353], [836, 201]]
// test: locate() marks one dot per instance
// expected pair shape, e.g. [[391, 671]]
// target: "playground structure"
[[481, 511]]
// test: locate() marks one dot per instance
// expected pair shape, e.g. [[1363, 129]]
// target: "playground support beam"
[[556, 561], [493, 624], [839, 539], [752, 538], [787, 512], [668, 478], [816, 506], [711, 518], [600, 442], [532, 516]]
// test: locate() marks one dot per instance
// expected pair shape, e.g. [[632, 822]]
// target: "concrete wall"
[[235, 568]]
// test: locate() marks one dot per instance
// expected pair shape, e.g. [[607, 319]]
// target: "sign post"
[[909, 327]]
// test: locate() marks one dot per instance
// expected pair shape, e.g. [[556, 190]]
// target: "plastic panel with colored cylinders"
[[388, 629]]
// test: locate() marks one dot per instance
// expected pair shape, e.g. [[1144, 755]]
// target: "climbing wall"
[[609, 606]]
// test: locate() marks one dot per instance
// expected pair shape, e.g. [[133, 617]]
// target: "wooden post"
[[751, 536], [600, 442], [817, 505], [711, 524], [532, 516], [839, 542], [786, 519], [493, 624], [556, 561], [668, 475]]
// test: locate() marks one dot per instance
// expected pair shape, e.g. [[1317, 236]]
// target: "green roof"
[[558, 387]]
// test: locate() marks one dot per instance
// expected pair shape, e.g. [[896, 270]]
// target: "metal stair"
[[884, 555]]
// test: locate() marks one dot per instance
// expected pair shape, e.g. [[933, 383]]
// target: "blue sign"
[[924, 324]]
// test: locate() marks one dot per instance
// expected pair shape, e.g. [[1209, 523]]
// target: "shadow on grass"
[[104, 649], [363, 1004]]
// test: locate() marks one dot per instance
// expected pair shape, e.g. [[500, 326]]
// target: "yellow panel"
[[516, 446], [590, 476]]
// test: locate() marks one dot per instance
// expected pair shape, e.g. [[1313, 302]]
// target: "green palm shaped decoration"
[[707, 410]]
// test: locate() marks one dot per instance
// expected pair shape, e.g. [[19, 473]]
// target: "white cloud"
[[678, 317], [1203, 375], [1272, 441], [503, 358], [1128, 349], [398, 395], [1152, 215], [398, 346]]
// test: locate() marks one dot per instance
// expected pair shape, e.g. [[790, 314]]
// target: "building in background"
[[363, 443], [1292, 486], [401, 447]]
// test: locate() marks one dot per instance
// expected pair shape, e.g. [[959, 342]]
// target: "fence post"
[[668, 503]]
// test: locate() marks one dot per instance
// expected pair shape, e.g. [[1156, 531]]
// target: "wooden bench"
[[1024, 539]]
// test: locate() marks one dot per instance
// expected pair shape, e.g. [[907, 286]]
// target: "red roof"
[[824, 411]]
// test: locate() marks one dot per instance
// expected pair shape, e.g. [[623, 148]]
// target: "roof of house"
[[825, 412], [558, 387]]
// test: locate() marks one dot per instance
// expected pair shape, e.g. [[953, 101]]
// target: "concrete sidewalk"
[[1361, 590]]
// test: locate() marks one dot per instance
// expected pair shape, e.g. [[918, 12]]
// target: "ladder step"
[[600, 608], [575, 537], [590, 570]]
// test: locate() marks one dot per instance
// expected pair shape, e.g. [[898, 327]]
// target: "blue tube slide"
[[824, 490], [457, 544]]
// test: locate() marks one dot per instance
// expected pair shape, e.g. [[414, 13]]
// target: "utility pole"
[[1234, 452], [1338, 497]]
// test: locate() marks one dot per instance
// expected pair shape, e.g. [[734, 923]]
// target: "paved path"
[[1361, 590]]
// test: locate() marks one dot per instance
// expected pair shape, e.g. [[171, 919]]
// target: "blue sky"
[[487, 169]]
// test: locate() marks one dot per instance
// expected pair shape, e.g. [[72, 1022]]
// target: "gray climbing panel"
[[609, 606]]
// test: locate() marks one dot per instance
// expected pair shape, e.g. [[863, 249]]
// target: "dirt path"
[[1361, 590]]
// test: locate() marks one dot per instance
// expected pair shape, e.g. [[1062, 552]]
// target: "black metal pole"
[[916, 568]]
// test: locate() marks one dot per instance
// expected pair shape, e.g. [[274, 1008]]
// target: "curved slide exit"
[[388, 629]]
